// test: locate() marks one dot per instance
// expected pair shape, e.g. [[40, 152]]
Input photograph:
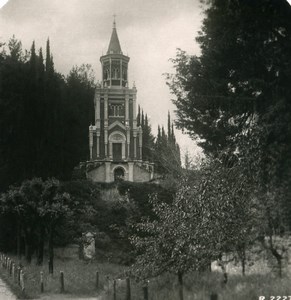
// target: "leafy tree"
[[210, 215], [54, 206], [236, 80], [43, 209], [234, 98]]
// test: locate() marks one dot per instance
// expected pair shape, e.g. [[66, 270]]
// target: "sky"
[[79, 31]]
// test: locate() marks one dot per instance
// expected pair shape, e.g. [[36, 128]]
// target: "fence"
[[14, 270], [114, 289]]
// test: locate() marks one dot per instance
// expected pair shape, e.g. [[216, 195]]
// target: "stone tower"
[[115, 141]]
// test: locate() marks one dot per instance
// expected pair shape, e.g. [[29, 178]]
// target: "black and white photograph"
[[145, 149]]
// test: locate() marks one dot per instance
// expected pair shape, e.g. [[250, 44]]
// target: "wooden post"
[[62, 281], [8, 265], [97, 280], [213, 296], [41, 282], [114, 289], [145, 289], [128, 293], [13, 272], [108, 284]]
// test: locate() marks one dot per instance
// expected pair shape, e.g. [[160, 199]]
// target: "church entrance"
[[117, 151], [119, 174]]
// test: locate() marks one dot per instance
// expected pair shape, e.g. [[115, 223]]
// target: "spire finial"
[[114, 21]]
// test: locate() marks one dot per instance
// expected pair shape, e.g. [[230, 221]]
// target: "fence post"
[[114, 289], [13, 272], [8, 265], [145, 289], [41, 282], [62, 281], [213, 296], [128, 293], [107, 285], [97, 279]]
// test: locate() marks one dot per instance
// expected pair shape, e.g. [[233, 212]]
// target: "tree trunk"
[[222, 265], [280, 267], [51, 250], [180, 280], [279, 258], [40, 246], [28, 245], [243, 265], [18, 240], [242, 256]]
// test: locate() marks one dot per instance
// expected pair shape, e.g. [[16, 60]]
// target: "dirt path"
[[5, 293]]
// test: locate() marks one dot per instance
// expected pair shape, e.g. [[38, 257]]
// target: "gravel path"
[[5, 293]]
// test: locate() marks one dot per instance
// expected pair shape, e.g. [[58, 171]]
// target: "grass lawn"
[[80, 281]]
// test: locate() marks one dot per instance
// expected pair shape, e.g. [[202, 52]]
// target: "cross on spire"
[[114, 21]]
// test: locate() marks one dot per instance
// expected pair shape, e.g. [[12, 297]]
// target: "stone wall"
[[140, 174], [97, 174]]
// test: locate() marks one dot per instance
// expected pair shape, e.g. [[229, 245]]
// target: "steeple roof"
[[114, 45]]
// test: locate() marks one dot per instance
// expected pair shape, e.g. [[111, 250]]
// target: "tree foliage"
[[234, 99], [43, 116], [212, 213], [167, 151]]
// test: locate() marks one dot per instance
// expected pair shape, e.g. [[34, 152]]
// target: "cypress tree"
[[142, 119], [173, 134], [138, 116], [40, 65], [169, 128], [48, 55], [49, 63], [32, 60]]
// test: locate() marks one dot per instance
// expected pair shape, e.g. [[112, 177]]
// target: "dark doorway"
[[118, 174], [117, 151]]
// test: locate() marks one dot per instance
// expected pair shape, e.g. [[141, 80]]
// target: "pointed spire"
[[114, 45]]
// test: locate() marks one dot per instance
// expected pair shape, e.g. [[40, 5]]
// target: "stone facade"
[[115, 140]]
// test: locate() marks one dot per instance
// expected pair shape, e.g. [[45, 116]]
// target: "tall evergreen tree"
[[167, 151], [43, 119], [32, 60], [169, 126], [142, 119], [138, 117], [234, 98], [147, 140]]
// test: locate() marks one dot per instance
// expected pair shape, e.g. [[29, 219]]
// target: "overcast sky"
[[79, 30]]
